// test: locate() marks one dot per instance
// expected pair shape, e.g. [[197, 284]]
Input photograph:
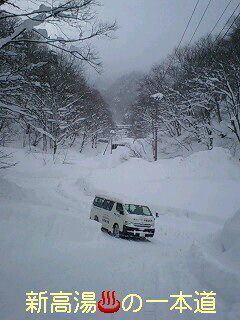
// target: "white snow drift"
[[49, 243]]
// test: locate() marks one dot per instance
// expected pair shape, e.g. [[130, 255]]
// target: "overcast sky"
[[150, 29]]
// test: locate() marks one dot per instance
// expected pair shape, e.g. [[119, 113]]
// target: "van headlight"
[[128, 223]]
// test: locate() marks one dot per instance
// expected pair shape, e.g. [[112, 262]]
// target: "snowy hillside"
[[49, 243], [122, 94], [204, 184]]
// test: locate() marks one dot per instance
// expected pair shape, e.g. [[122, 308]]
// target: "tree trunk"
[[219, 117], [93, 140], [73, 140], [235, 130], [83, 142], [95, 143], [55, 147], [44, 143], [238, 121], [155, 146]]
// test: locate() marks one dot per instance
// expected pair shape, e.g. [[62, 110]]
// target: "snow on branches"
[[43, 90]]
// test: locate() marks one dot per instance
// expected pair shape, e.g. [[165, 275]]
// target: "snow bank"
[[216, 273], [217, 263], [13, 192], [48, 241], [230, 237], [205, 183], [214, 164]]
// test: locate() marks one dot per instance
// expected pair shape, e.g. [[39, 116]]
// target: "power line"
[[219, 19], [188, 24], [231, 25], [183, 35], [229, 19], [203, 15]]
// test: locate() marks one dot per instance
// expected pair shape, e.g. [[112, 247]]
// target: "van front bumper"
[[138, 232]]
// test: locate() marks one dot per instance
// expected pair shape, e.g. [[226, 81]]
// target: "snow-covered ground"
[[49, 243]]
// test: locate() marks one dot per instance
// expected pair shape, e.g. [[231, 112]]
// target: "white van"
[[123, 219]]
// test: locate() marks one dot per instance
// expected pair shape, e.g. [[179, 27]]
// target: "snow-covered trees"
[[68, 17], [43, 90], [201, 102]]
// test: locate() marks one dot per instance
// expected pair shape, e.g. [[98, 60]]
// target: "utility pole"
[[157, 98], [111, 145], [155, 138], [113, 133]]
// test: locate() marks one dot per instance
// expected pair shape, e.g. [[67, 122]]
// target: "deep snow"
[[49, 243]]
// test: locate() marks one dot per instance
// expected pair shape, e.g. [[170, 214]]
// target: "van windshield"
[[139, 210]]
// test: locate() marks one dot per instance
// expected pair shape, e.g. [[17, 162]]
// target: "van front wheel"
[[116, 232]]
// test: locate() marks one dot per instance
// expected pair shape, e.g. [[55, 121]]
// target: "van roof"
[[119, 198], [113, 197]]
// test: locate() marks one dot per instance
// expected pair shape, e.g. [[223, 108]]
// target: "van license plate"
[[142, 234]]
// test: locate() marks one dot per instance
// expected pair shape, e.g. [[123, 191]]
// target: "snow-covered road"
[[49, 243]]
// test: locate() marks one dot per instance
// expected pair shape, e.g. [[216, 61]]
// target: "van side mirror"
[[121, 212], [157, 215]]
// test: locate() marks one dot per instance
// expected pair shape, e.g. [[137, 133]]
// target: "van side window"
[[98, 202], [108, 205], [119, 208]]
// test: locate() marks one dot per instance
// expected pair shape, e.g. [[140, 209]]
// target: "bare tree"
[[79, 16]]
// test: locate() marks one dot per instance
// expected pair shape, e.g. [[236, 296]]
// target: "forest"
[[45, 99], [191, 100]]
